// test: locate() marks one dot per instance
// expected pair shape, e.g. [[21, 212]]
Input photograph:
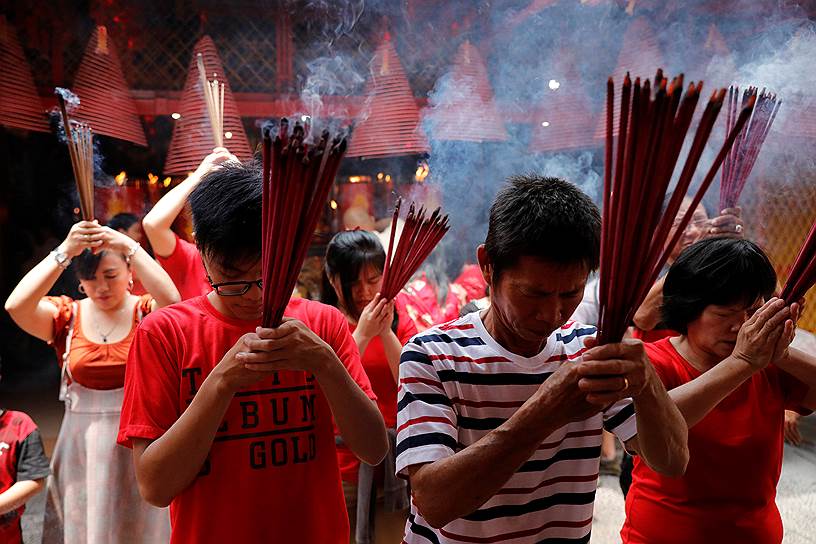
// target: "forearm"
[[393, 348], [34, 285], [698, 397], [162, 215], [357, 417], [170, 463], [154, 279], [447, 489], [662, 439], [648, 315], [158, 222], [800, 365], [19, 494], [361, 341]]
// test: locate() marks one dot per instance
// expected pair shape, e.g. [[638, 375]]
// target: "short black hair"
[[720, 271], [226, 208], [349, 252], [543, 217], [122, 221], [86, 263]]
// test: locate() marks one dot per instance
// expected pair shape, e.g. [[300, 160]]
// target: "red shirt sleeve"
[[663, 359], [406, 329], [185, 269], [793, 392], [339, 337], [151, 403]]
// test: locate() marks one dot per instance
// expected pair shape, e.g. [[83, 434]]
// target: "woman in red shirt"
[[732, 376], [352, 282], [92, 493]]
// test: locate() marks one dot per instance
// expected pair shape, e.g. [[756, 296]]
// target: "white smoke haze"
[[766, 44]]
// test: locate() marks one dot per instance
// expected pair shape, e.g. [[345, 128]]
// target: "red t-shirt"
[[272, 474], [185, 268], [728, 491], [21, 459], [382, 382]]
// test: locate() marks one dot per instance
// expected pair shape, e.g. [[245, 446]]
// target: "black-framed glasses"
[[234, 288]]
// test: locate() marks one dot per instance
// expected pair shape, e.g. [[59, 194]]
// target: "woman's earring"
[[81, 288], [130, 285]]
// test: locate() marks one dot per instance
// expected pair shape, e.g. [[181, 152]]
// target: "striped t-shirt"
[[456, 385]]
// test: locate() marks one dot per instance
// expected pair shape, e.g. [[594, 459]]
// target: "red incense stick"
[[297, 178]]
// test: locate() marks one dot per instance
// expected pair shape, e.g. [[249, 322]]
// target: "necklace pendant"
[[104, 339]]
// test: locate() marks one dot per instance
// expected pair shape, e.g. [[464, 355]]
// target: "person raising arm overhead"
[[178, 256]]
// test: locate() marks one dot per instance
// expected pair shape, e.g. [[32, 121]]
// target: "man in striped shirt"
[[501, 411]]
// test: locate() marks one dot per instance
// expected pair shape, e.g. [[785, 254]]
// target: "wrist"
[[220, 384], [61, 257], [67, 249], [326, 365], [651, 391], [131, 251], [743, 364], [546, 413]]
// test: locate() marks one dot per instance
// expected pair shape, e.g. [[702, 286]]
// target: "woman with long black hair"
[[352, 281]]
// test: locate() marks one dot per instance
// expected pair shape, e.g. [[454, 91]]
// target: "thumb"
[[591, 342]]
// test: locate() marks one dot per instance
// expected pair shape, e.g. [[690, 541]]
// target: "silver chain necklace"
[[116, 324]]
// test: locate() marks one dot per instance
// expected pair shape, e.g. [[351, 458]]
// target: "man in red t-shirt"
[[23, 469], [231, 423], [177, 256]]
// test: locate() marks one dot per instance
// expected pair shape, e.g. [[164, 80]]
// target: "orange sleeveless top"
[[92, 365]]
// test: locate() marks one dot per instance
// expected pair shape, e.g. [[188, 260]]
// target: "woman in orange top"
[[92, 493]]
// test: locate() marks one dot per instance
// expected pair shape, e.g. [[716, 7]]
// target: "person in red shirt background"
[[23, 469], [177, 256], [231, 424], [352, 281], [732, 376]]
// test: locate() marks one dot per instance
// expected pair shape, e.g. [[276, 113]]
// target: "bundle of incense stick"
[[653, 124], [79, 137], [214, 98], [743, 155], [803, 273], [297, 178], [420, 235]]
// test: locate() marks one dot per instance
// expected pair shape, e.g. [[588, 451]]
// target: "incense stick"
[[419, 237], [297, 178], [79, 138], [653, 125], [214, 100], [743, 155]]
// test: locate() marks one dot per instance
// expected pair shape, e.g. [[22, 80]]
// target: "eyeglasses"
[[234, 288]]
